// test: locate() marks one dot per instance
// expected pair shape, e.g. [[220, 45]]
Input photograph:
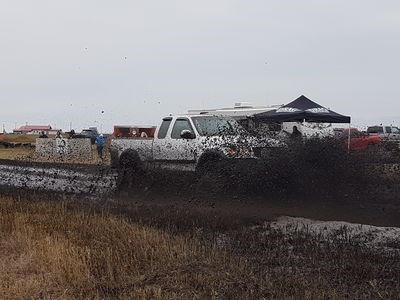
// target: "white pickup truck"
[[188, 143], [385, 132]]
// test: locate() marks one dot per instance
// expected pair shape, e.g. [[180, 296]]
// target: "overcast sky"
[[65, 61]]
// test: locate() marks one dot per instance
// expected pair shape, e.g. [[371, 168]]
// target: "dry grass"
[[19, 138], [70, 250], [16, 153], [50, 251]]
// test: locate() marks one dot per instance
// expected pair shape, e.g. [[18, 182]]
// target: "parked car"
[[90, 133], [188, 143], [359, 141]]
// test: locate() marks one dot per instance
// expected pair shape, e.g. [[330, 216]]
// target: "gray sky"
[[65, 61]]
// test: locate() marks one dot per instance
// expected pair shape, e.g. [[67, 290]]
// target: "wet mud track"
[[73, 179]]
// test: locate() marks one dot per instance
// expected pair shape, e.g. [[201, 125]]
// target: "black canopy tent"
[[303, 110], [299, 110]]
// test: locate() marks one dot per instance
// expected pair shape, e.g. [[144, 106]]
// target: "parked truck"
[[389, 135], [385, 132], [90, 133], [189, 143]]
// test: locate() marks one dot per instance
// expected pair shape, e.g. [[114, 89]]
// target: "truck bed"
[[144, 146]]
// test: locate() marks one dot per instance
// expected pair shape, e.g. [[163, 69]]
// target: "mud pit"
[[89, 180], [315, 180]]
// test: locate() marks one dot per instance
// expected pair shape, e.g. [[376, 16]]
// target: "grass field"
[[70, 250], [16, 153], [18, 138]]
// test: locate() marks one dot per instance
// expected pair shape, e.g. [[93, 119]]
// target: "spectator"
[[59, 135], [43, 135], [100, 145], [296, 134], [71, 134]]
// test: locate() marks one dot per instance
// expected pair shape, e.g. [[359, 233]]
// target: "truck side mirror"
[[187, 134]]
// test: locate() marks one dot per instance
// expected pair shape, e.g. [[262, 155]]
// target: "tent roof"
[[302, 109]]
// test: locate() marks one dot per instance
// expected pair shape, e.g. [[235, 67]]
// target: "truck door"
[[163, 140], [181, 150]]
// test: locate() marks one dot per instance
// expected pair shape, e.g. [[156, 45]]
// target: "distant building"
[[35, 129]]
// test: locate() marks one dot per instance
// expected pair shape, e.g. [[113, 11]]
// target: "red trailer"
[[134, 131]]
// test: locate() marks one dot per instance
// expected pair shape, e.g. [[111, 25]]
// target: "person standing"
[[296, 134], [43, 135], [59, 135], [100, 145]]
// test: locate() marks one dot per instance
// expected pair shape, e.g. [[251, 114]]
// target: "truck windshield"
[[215, 126]]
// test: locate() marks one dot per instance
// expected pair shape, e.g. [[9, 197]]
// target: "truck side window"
[[180, 124], [388, 129], [162, 132]]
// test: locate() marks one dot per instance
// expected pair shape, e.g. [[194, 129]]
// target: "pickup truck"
[[389, 135], [385, 132], [188, 143], [359, 141]]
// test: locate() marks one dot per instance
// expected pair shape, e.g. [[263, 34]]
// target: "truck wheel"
[[212, 180], [129, 168], [209, 163]]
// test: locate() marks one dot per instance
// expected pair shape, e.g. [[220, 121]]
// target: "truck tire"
[[129, 168], [211, 176], [209, 163]]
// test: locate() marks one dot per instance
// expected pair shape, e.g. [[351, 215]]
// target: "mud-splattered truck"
[[188, 143]]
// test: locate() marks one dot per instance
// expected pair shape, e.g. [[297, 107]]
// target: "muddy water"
[[79, 181]]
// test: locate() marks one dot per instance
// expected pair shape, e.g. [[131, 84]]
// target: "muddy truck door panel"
[[181, 148]]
